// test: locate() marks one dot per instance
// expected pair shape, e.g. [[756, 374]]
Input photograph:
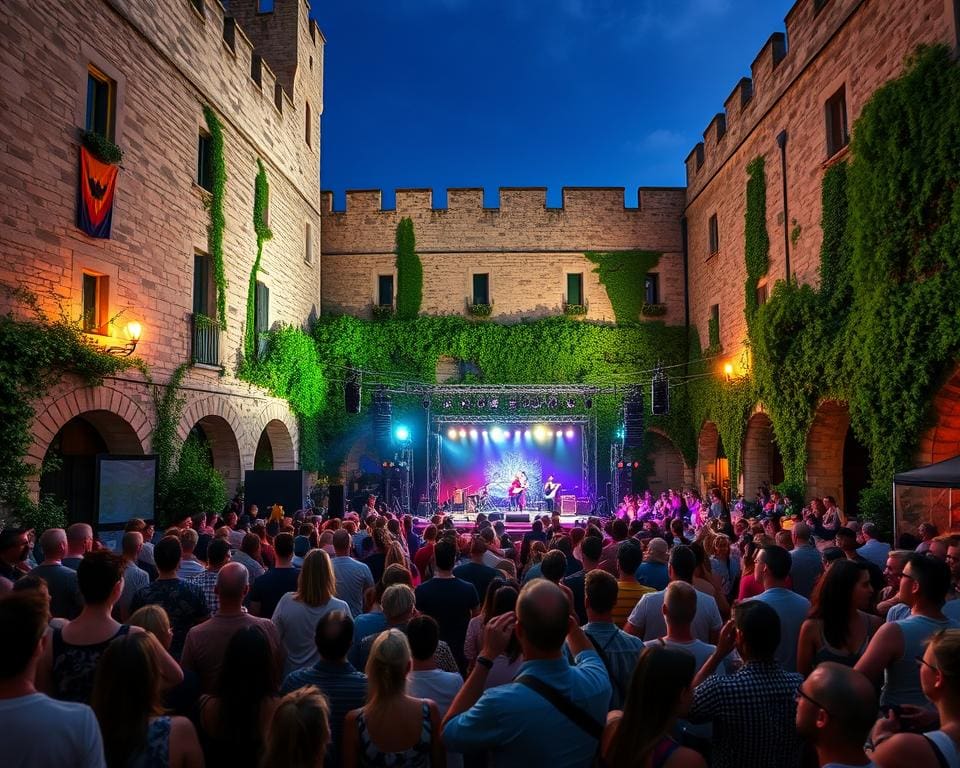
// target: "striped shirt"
[[628, 595]]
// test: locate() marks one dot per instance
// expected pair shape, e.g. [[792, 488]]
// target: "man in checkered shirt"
[[218, 555], [754, 710]]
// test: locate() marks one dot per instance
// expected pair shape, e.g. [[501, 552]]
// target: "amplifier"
[[568, 505]]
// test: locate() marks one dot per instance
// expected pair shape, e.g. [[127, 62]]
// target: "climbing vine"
[[409, 272], [623, 274], [757, 246], [218, 221], [168, 405], [261, 202], [35, 354]]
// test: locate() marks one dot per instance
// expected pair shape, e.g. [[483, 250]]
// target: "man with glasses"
[[836, 708], [892, 652], [890, 594]]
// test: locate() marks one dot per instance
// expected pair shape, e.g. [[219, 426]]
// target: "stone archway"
[[218, 436], [942, 440], [667, 467], [761, 461], [837, 463], [70, 461], [275, 447], [712, 466]]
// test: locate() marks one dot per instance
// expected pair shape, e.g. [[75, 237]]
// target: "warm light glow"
[[463, 432], [497, 434], [539, 432], [569, 433], [728, 369], [452, 433], [473, 433], [134, 330]]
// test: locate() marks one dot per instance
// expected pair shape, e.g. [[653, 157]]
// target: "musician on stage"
[[518, 491], [550, 489]]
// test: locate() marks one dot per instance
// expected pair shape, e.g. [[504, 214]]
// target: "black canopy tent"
[[942, 476]]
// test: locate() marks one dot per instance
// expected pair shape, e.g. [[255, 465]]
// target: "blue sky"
[[491, 93]]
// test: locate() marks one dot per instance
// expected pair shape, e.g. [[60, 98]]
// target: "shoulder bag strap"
[[567, 708], [606, 663]]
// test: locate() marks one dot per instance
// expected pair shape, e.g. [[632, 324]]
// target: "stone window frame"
[[90, 265], [375, 286], [490, 283], [308, 243], [566, 281], [91, 57], [713, 234], [827, 94]]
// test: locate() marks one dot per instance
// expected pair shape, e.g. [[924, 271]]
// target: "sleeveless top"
[[156, 753], [902, 678], [74, 666], [662, 752], [418, 756], [946, 746], [828, 653]]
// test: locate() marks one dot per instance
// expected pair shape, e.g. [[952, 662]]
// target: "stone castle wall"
[[525, 247], [168, 59]]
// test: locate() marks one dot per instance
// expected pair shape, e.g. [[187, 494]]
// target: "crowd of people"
[[670, 636]]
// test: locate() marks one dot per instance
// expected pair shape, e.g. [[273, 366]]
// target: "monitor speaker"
[[518, 517]]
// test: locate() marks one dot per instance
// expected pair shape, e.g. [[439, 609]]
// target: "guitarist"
[[518, 491], [550, 490]]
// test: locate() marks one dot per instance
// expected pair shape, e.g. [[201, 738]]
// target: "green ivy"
[[35, 354], [101, 147], [168, 405], [261, 202], [713, 333], [195, 485], [757, 246], [409, 272], [218, 220], [623, 274]]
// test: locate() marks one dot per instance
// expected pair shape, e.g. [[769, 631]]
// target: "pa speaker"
[[351, 391], [518, 517], [660, 396], [633, 421], [382, 419]]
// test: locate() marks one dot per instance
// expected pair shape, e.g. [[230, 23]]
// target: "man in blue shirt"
[[516, 724], [772, 569], [653, 570], [806, 564], [873, 549]]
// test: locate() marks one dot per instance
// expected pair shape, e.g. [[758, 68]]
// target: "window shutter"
[[262, 309]]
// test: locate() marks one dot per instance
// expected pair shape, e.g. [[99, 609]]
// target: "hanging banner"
[[98, 181]]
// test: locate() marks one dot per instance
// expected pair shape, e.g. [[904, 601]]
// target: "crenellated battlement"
[[577, 200], [809, 24]]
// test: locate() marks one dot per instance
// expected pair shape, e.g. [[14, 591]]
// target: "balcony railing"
[[205, 332]]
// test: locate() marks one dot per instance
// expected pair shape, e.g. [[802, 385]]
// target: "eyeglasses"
[[924, 663], [906, 575], [817, 704]]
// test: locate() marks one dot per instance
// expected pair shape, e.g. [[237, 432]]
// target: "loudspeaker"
[[518, 517], [633, 421], [382, 419], [335, 502], [660, 396], [351, 391], [266, 487], [568, 505]]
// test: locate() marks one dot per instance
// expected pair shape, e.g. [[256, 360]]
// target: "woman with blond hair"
[[297, 613], [300, 730], [127, 702], [392, 728]]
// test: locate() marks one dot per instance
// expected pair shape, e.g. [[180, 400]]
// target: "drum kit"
[[478, 501]]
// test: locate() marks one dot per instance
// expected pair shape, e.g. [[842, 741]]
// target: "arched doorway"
[[275, 448], [667, 468], [713, 468], [762, 462], [223, 451], [942, 440], [837, 463], [68, 472]]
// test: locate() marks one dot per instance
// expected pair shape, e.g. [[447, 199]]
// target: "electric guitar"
[[550, 491]]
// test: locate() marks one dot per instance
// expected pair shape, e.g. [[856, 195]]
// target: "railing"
[[205, 332]]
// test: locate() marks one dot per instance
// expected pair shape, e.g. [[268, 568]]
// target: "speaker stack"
[[633, 420], [382, 419], [660, 392]]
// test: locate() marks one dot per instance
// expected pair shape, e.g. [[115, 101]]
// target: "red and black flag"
[[98, 181]]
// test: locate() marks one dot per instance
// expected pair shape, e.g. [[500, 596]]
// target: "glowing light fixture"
[[473, 433], [569, 433], [463, 432], [452, 433], [401, 433]]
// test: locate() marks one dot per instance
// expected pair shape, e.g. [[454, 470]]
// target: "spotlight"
[[550, 433], [619, 465], [464, 404], [447, 404], [569, 433], [506, 433], [571, 403], [473, 433], [452, 433], [512, 404], [425, 402], [552, 403], [494, 403], [539, 432], [462, 432], [497, 434], [536, 403], [481, 402], [524, 402], [588, 403], [485, 433], [401, 433], [636, 465], [526, 433]]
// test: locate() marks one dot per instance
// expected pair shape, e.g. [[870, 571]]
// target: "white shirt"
[[297, 624], [792, 610], [647, 616], [43, 731]]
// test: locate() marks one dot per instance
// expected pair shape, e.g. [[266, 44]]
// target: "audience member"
[[127, 701], [653, 572], [629, 589], [772, 570], [392, 728], [206, 644], [353, 577], [190, 566], [299, 734], [474, 570], [218, 555], [344, 687], [276, 582], [805, 563], [14, 551], [182, 600], [873, 549], [134, 577], [39, 731], [297, 613], [79, 542], [65, 599], [590, 550]]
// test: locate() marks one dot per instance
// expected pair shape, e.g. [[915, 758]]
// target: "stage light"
[[536, 403], [526, 433], [560, 434], [571, 403], [497, 434], [569, 433], [636, 465], [619, 465], [539, 433], [447, 404], [524, 402], [463, 432], [464, 404], [552, 403], [473, 433], [425, 402], [512, 404], [485, 433], [588, 403], [452, 433], [401, 433], [619, 433], [494, 403], [481, 402]]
